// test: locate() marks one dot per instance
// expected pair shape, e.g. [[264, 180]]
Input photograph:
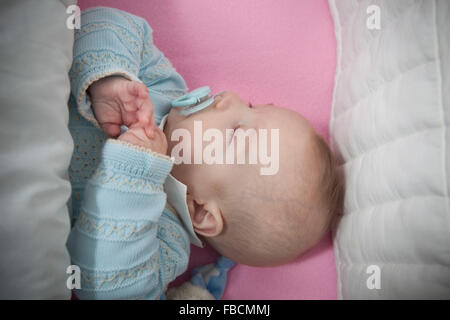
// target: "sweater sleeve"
[[113, 42], [126, 245]]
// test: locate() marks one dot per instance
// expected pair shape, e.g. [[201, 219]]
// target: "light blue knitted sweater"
[[127, 244]]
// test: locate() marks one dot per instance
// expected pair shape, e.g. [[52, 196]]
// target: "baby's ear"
[[206, 218]]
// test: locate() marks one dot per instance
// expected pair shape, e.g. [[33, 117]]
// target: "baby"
[[135, 212]]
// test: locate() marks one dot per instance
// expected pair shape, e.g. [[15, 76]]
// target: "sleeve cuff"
[[135, 161]]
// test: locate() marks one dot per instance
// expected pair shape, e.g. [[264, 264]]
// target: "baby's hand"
[[117, 101], [136, 135]]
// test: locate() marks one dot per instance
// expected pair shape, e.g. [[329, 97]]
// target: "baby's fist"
[[136, 135], [117, 101]]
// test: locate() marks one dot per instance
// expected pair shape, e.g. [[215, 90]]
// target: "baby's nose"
[[225, 100], [220, 102]]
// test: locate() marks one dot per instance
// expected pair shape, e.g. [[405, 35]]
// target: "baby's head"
[[255, 219]]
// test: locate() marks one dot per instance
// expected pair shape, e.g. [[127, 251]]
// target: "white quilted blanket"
[[390, 127]]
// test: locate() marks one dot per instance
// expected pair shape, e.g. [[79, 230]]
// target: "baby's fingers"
[[145, 116], [145, 111], [135, 92], [150, 131], [137, 89], [139, 106], [111, 129]]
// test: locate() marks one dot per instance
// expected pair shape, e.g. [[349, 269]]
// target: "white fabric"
[[35, 148], [390, 127]]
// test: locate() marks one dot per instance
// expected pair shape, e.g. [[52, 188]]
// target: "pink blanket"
[[281, 52]]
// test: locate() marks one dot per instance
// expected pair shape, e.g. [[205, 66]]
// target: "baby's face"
[[224, 186], [284, 133]]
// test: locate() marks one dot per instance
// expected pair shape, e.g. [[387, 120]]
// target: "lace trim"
[[141, 149], [171, 257], [132, 22], [112, 280], [100, 58], [112, 230], [118, 180], [162, 69], [122, 32]]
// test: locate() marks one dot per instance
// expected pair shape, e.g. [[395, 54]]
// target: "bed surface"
[[389, 127], [267, 52]]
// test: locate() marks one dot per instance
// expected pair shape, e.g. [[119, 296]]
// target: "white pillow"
[[35, 148], [390, 127]]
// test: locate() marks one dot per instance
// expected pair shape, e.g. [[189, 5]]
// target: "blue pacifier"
[[194, 101], [191, 102]]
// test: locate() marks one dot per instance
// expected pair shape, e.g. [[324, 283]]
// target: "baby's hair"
[[297, 223], [331, 183]]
